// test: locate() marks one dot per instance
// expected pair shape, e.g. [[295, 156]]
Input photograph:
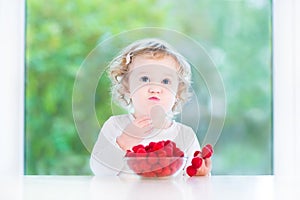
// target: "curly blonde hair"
[[156, 49]]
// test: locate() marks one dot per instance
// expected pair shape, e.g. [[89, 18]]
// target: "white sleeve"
[[107, 156], [188, 142], [195, 146]]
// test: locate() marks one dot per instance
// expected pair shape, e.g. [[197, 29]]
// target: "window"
[[237, 35]]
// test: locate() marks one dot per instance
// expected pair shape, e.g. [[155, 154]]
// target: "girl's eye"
[[166, 81], [145, 79]]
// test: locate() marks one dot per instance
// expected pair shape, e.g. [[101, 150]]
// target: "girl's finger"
[[140, 119], [208, 163], [143, 123]]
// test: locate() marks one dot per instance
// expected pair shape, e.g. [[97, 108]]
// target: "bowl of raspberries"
[[160, 159]]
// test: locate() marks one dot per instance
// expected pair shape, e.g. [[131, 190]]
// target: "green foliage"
[[60, 34]]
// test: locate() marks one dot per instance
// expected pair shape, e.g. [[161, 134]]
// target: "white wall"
[[11, 86], [286, 80], [286, 87]]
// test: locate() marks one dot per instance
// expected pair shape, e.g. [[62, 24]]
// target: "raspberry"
[[148, 174], [156, 168], [168, 142], [166, 171], [151, 144], [152, 154], [197, 153], [141, 151], [144, 166], [169, 150], [206, 152], [163, 161], [152, 158], [191, 171], [197, 162], [173, 144], [161, 153], [148, 148], [178, 152], [157, 146], [210, 147], [135, 148]]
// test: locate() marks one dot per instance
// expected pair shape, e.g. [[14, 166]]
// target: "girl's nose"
[[154, 89]]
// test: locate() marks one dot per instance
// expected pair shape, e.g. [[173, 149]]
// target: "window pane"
[[235, 34]]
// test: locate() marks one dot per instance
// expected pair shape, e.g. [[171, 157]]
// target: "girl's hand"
[[135, 132], [201, 162], [205, 168], [139, 128]]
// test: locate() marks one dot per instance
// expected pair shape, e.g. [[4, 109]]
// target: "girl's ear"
[[125, 84], [176, 107]]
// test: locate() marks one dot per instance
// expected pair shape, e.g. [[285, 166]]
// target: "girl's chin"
[[152, 111]]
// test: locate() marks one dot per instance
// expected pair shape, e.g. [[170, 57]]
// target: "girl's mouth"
[[154, 99]]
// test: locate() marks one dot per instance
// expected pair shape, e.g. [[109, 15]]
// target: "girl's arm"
[[106, 157]]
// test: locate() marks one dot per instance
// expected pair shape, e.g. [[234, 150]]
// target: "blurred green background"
[[237, 35]]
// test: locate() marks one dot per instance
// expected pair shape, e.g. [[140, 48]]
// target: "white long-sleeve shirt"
[[107, 156]]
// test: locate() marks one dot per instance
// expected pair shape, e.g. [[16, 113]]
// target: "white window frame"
[[286, 78], [12, 45]]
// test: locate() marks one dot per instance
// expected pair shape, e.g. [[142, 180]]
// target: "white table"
[[132, 188]]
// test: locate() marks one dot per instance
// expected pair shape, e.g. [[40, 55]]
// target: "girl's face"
[[152, 82]]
